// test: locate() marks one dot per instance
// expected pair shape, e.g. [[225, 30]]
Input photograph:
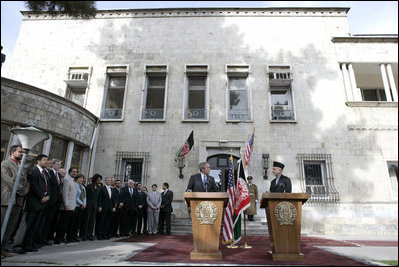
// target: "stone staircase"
[[182, 226]]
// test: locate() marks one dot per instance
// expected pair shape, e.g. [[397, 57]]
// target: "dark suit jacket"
[[167, 201], [118, 196], [283, 186], [92, 194], [142, 200], [54, 190], [104, 201], [195, 184], [130, 202], [36, 191]]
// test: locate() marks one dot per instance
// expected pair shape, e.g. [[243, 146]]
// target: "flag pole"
[[232, 245], [245, 235]]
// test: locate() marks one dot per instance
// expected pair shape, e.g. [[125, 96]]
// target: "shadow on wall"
[[318, 96]]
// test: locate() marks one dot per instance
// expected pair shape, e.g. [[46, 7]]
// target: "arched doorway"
[[220, 169]]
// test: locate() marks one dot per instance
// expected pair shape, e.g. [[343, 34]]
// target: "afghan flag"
[[242, 202], [186, 147]]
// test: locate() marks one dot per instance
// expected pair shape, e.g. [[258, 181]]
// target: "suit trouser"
[[165, 216], [75, 223], [153, 217], [105, 224], [64, 224], [129, 221], [32, 218], [11, 224], [89, 223], [48, 222], [140, 220]]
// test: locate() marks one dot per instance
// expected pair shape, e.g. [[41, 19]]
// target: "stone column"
[[357, 95], [68, 156], [385, 82], [347, 83], [392, 83]]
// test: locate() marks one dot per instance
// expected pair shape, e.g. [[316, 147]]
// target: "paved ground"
[[107, 252]]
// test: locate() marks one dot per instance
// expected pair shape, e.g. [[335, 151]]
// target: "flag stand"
[[232, 246], [245, 235]]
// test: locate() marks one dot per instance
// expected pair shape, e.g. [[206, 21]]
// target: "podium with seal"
[[206, 219], [283, 213]]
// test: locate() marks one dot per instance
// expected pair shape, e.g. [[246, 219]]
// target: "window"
[[280, 79], [373, 94], [115, 93], [393, 177], [238, 100], [155, 93], [132, 165], [77, 84], [281, 103], [196, 102], [316, 177], [77, 156], [58, 148]]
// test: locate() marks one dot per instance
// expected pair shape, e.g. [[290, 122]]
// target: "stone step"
[[181, 226]]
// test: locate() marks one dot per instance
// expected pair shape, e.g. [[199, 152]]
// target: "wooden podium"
[[206, 219], [283, 213]]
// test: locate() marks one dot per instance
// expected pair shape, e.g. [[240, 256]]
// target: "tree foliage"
[[76, 9]]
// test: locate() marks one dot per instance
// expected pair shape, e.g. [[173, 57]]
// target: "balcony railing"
[[283, 115], [239, 114], [152, 113], [195, 114], [111, 113]]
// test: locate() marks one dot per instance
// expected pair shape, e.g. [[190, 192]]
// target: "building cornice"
[[366, 39], [201, 12]]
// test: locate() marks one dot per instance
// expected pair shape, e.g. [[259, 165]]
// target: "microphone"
[[206, 185]]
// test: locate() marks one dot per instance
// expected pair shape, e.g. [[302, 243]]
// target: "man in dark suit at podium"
[[282, 184], [202, 182]]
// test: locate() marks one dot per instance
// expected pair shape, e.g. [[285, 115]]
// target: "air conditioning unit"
[[77, 80], [280, 107], [280, 78]]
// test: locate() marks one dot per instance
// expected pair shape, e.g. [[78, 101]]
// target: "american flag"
[[227, 233], [248, 150]]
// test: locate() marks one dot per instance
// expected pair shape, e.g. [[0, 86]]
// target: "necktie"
[[204, 182], [82, 193], [109, 191], [58, 178], [45, 179], [131, 191]]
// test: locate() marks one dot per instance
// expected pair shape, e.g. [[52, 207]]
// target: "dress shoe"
[[99, 238], [46, 243], [21, 251], [32, 249], [91, 238], [6, 254]]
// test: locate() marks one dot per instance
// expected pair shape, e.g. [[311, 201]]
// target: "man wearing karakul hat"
[[282, 184]]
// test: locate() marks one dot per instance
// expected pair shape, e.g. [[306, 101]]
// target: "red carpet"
[[177, 248]]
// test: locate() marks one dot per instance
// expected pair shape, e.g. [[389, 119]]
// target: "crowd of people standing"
[[53, 206]]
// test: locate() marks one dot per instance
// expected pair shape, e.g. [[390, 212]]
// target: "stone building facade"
[[319, 100]]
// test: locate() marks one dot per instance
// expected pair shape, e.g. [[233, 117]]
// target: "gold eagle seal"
[[206, 212], [285, 213]]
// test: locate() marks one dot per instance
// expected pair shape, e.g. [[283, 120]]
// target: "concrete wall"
[[359, 139]]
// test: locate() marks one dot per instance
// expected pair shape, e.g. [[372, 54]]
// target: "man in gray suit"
[[154, 201], [67, 207], [202, 182], [9, 172]]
